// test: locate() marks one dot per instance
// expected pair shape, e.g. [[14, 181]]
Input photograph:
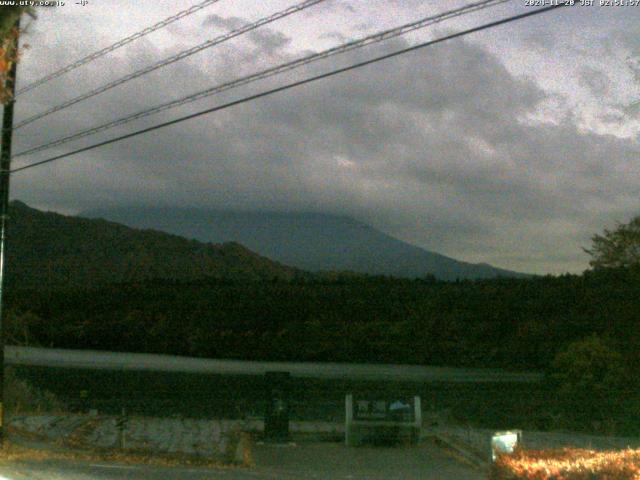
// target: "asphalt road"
[[318, 461]]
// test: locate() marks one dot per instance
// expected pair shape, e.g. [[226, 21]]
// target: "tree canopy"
[[617, 248], [8, 53]]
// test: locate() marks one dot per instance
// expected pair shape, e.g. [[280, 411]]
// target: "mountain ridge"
[[310, 241], [48, 249]]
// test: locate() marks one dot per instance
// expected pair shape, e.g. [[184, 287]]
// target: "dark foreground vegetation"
[[90, 284], [582, 330], [505, 323], [203, 395]]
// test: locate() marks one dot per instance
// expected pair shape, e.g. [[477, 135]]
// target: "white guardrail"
[[101, 360]]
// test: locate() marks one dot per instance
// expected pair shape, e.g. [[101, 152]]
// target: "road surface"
[[313, 461]]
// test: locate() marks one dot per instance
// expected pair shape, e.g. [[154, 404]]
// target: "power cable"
[[296, 84], [172, 59], [355, 44], [120, 43]]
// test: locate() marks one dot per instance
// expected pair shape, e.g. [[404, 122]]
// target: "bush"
[[239, 448], [567, 464], [19, 328], [21, 397], [589, 379]]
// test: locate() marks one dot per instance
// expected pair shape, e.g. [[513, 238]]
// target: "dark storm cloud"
[[437, 147], [270, 42], [633, 63], [230, 23], [595, 80], [631, 110]]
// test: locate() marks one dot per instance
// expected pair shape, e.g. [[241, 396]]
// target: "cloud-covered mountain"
[[508, 150], [310, 241]]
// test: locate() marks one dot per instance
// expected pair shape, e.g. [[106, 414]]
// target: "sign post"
[[368, 416], [276, 419], [122, 422]]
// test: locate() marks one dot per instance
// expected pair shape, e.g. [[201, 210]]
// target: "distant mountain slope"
[[305, 240], [48, 249]]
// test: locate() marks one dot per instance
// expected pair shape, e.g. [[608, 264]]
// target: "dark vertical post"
[[276, 419], [5, 168]]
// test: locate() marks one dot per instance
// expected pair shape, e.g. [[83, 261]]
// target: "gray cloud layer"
[[444, 148]]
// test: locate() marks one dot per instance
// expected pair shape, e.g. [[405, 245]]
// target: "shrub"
[[589, 378], [22, 397], [239, 448], [567, 464]]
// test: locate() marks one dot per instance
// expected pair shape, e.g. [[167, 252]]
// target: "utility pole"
[[5, 168]]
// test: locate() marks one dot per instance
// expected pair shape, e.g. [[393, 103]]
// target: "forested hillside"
[[49, 250]]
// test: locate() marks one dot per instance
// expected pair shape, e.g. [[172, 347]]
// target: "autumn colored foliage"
[[567, 464], [9, 33], [8, 55]]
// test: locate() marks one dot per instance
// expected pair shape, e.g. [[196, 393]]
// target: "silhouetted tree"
[[616, 248]]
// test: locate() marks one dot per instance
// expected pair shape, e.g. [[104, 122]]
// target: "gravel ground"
[[480, 439], [309, 461], [211, 437], [156, 435]]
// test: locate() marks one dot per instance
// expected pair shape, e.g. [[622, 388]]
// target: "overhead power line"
[[346, 47], [120, 43], [174, 58], [295, 84]]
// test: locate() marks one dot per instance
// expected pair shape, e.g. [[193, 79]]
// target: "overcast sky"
[[512, 146]]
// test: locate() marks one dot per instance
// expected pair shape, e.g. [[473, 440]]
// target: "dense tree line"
[[508, 323]]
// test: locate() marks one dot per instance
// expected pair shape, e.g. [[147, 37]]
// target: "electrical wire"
[[120, 43], [340, 49], [296, 84], [172, 59]]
